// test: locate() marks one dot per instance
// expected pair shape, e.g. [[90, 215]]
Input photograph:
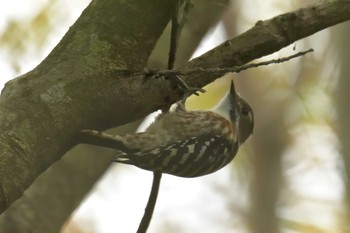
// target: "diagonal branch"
[[267, 37], [59, 178], [75, 87]]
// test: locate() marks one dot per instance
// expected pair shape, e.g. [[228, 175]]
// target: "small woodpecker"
[[186, 143]]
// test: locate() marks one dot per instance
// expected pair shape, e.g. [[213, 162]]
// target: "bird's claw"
[[188, 91]]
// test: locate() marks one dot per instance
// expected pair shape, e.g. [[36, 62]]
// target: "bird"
[[186, 143]]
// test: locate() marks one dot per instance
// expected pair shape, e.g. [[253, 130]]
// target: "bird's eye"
[[245, 111]]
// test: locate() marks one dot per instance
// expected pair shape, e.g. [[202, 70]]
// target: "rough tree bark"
[[87, 80], [47, 105], [68, 181]]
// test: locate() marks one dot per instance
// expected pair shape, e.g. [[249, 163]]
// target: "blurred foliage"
[[18, 34], [27, 37]]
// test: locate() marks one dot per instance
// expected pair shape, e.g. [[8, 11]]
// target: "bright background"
[[311, 180]]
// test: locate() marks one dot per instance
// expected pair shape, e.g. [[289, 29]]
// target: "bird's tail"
[[97, 138]]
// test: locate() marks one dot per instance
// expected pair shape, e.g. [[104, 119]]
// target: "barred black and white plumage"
[[186, 143], [193, 157]]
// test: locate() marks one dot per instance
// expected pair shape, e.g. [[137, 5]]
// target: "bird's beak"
[[232, 89]]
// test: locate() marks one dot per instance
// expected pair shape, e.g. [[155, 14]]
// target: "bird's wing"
[[192, 157]]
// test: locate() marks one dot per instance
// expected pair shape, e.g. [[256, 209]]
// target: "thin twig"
[[222, 71], [146, 219], [173, 37], [157, 175]]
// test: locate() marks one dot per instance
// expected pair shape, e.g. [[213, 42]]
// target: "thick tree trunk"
[[68, 180], [79, 86]]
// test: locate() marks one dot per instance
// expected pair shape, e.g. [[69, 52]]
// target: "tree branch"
[[146, 219], [75, 88], [66, 193], [267, 37]]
